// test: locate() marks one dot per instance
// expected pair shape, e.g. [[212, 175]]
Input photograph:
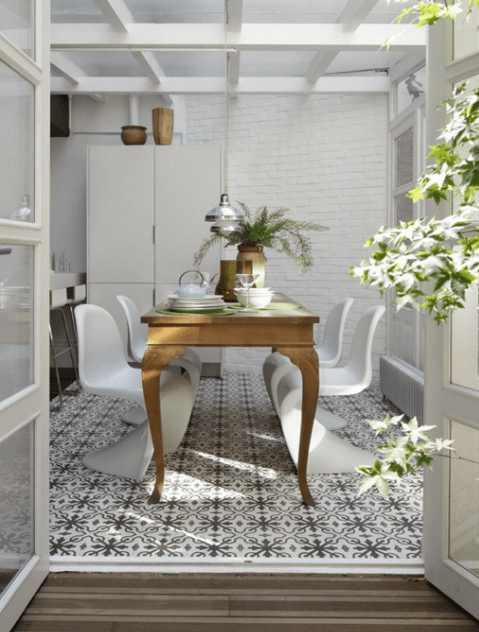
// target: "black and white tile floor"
[[231, 488]]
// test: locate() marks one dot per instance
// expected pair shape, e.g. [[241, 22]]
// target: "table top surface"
[[299, 314]]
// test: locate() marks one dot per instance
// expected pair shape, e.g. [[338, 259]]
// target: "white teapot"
[[193, 290]]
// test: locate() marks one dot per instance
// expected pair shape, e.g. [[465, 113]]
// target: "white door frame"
[[32, 403], [444, 401]]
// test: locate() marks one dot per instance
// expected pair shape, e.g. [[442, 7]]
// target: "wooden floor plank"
[[127, 602]]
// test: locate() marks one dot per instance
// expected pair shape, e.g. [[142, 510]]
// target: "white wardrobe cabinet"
[[146, 210]]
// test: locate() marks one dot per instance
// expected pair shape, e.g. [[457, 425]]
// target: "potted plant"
[[266, 229]]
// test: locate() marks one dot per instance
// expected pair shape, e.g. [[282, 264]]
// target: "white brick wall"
[[323, 157]]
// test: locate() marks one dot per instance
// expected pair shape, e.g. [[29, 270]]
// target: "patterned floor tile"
[[231, 488]]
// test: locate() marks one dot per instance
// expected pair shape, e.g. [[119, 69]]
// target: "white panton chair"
[[356, 375], [353, 378], [275, 367], [331, 346], [189, 361], [104, 370], [329, 351], [328, 453]]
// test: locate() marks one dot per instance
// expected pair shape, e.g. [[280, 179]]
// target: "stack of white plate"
[[182, 304]]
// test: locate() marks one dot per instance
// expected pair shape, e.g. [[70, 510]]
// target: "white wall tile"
[[325, 158]]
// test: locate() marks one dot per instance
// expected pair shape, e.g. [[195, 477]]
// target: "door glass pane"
[[16, 148], [404, 158], [16, 502], [465, 39], [16, 23], [16, 318], [465, 342], [403, 209], [464, 498]]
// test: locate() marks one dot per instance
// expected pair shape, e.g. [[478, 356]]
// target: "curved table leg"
[[154, 361], [306, 359]]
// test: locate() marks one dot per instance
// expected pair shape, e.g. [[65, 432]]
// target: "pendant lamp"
[[225, 216]]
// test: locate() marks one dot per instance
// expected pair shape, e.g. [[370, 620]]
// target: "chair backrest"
[[331, 345], [137, 331], [360, 360], [100, 346]]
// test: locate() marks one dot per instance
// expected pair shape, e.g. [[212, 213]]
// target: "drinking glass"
[[247, 281]]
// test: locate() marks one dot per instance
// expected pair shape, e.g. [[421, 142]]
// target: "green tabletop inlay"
[[284, 306], [227, 311], [221, 311]]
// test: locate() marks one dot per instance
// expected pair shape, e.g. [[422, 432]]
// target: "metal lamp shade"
[[225, 211]]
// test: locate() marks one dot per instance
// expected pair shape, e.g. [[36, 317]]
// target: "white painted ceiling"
[[173, 47]]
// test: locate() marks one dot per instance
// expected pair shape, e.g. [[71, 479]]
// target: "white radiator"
[[403, 385]]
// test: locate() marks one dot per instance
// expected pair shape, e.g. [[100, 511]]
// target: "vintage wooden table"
[[288, 331]]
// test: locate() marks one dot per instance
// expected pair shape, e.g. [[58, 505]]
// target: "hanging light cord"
[[226, 114]]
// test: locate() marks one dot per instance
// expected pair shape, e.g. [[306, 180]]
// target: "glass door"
[[451, 494], [406, 326], [24, 295]]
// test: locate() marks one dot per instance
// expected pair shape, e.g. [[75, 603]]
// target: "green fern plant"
[[270, 229]]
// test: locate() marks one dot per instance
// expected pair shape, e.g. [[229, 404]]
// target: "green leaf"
[[416, 194]]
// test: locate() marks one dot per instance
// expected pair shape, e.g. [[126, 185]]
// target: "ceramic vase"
[[256, 256], [133, 135], [227, 280], [163, 119]]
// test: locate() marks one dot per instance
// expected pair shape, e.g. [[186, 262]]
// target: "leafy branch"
[[418, 252], [426, 13], [429, 250], [400, 455]]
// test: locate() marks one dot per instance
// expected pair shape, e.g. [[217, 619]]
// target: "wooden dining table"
[[284, 326]]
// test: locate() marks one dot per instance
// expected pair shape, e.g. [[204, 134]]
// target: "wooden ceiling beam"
[[354, 12], [233, 68], [216, 85], [350, 18], [253, 37], [68, 69], [234, 15], [151, 68], [117, 14]]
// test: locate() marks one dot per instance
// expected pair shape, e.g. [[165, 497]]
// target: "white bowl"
[[258, 291], [256, 301]]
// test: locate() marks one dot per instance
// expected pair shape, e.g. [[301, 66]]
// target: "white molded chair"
[[277, 365], [104, 370], [331, 347], [189, 361], [329, 453]]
